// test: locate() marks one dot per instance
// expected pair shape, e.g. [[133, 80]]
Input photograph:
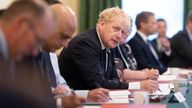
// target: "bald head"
[[66, 26], [66, 17]]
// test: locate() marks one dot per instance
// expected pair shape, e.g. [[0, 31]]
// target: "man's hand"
[[98, 95], [165, 43], [151, 73], [61, 90], [72, 101], [149, 85]]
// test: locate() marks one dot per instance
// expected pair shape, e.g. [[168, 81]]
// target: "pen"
[[158, 88], [99, 86]]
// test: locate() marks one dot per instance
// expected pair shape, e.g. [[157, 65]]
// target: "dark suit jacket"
[[44, 61], [81, 64], [143, 54], [162, 56], [124, 53], [28, 88], [181, 50]]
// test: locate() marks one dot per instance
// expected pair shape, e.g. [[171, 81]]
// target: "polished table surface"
[[180, 105], [169, 105], [188, 97]]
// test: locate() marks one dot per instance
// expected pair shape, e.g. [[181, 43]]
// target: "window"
[[170, 10]]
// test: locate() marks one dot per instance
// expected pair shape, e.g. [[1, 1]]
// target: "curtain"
[[187, 8], [90, 10]]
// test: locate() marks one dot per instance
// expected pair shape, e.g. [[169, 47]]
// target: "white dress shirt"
[[59, 79]]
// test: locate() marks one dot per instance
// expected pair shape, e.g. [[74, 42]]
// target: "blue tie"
[[154, 54]]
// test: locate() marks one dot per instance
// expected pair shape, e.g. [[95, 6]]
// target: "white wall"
[[170, 10], [5, 3]]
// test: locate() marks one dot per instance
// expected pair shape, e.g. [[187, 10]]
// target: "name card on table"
[[179, 96]]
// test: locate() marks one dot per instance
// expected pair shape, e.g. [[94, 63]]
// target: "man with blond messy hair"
[[87, 62]]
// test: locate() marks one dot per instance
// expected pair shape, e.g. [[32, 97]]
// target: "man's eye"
[[116, 29]]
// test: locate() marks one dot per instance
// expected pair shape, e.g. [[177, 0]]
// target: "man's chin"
[[112, 46]]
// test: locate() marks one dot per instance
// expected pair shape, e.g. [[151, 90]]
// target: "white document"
[[116, 96], [172, 71], [165, 90], [119, 96], [119, 93], [91, 106], [179, 96], [167, 77]]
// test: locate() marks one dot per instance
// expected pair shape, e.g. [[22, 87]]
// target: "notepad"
[[119, 96], [167, 77], [165, 90], [119, 93]]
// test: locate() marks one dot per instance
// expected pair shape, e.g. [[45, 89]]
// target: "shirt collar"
[[102, 45], [189, 33], [3, 46], [143, 36]]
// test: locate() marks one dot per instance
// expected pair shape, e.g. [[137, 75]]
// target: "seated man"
[[181, 44], [20, 23], [143, 51], [161, 44], [63, 33], [87, 62]]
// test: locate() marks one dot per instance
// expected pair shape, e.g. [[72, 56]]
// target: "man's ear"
[[142, 25], [101, 24], [21, 25]]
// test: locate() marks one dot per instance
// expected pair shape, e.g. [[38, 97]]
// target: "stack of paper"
[[119, 96], [167, 77]]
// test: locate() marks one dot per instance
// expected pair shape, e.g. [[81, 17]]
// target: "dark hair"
[[161, 19], [189, 17], [142, 17], [37, 10], [51, 2]]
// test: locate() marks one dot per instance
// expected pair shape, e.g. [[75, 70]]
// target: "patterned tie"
[[152, 50], [154, 53]]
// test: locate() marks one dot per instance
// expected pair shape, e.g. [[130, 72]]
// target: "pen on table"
[[99, 86], [158, 88]]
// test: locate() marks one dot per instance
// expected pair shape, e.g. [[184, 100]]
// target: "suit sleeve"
[[138, 53], [87, 59], [183, 47]]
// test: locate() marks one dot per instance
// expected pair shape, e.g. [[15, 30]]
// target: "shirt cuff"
[[82, 93], [168, 53], [59, 102], [134, 85]]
